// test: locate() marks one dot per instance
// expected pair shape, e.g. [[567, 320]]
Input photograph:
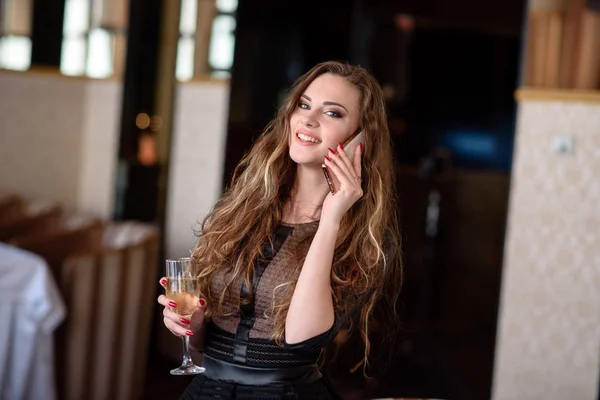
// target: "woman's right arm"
[[195, 328]]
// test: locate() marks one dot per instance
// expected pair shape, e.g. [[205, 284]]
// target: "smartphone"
[[350, 146]]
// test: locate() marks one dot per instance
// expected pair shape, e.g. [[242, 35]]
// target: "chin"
[[304, 159]]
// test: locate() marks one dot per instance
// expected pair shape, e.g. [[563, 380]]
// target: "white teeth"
[[306, 138]]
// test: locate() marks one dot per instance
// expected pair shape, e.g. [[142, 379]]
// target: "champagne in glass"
[[182, 288], [184, 292]]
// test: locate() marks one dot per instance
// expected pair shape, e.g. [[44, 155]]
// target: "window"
[[206, 38], [15, 31], [93, 37], [184, 69], [222, 43]]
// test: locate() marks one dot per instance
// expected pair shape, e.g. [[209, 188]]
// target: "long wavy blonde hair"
[[234, 233]]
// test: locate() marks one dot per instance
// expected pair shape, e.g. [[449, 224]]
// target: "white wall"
[[548, 342], [102, 119], [197, 154], [58, 139]]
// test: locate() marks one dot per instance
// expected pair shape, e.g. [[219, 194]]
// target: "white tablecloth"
[[30, 309]]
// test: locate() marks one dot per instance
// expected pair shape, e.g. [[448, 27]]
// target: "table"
[[30, 310]]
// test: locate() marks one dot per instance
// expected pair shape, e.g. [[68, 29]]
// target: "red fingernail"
[[185, 321], [341, 145], [328, 159], [172, 304], [189, 333], [331, 150], [361, 146], [163, 282], [202, 302]]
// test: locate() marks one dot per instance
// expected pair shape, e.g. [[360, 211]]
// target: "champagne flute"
[[182, 288]]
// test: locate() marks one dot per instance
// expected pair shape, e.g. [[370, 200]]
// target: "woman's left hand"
[[348, 174]]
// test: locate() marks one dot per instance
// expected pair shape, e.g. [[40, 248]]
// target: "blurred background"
[[121, 122]]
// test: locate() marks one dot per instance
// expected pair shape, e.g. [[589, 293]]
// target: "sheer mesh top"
[[243, 335]]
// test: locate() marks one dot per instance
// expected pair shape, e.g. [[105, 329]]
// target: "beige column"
[[165, 92], [16, 17], [547, 5], [119, 55], [207, 10], [113, 15], [548, 339]]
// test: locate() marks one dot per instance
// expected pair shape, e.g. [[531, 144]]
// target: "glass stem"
[[187, 360]]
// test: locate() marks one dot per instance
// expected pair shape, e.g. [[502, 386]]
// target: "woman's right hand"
[[178, 325]]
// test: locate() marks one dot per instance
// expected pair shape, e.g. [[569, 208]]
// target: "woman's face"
[[328, 112]]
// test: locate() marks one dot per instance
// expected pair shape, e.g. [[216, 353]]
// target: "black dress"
[[241, 359]]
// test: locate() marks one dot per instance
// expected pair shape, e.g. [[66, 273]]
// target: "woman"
[[286, 262]]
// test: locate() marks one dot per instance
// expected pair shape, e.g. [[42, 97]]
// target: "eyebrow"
[[327, 103]]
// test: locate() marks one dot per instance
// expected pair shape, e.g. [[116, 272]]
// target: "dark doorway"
[[137, 182]]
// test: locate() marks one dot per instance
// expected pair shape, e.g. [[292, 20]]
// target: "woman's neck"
[[307, 195]]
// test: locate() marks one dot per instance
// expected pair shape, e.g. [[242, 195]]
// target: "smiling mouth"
[[306, 138]]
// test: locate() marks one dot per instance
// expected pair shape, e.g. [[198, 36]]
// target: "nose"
[[309, 120]]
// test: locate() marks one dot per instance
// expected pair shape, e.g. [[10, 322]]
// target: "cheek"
[[334, 135], [293, 120]]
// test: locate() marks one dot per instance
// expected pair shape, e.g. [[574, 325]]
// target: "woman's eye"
[[333, 114], [303, 106]]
